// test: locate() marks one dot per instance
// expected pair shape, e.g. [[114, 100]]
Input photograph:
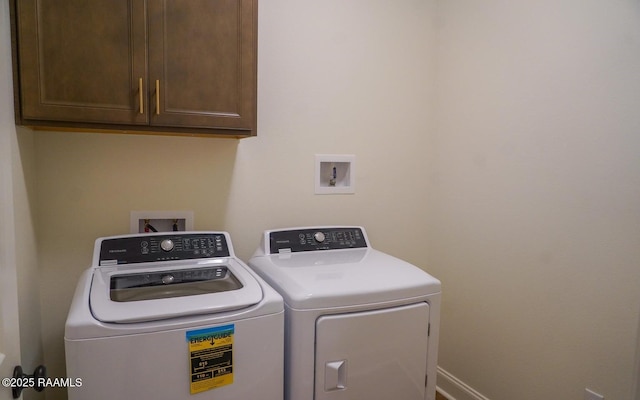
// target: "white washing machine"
[[359, 323], [173, 316]]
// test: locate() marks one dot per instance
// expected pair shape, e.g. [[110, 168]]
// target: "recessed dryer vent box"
[[335, 174], [161, 221]]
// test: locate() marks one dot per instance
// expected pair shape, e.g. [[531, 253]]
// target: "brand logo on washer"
[[117, 250]]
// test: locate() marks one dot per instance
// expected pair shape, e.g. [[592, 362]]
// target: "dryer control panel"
[[311, 239], [166, 247]]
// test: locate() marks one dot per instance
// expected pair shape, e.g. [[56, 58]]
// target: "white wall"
[[20, 326], [27, 263], [9, 319], [535, 195], [339, 77]]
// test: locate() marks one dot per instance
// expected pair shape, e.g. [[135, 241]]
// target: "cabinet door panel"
[[81, 60], [202, 54]]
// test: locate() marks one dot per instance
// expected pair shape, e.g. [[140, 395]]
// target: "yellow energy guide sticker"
[[211, 357]]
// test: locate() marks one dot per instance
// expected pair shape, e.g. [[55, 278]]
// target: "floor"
[[440, 397]]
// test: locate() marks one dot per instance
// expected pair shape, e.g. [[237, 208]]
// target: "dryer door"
[[373, 355]]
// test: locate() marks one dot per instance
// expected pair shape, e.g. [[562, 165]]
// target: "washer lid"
[[152, 292], [337, 278]]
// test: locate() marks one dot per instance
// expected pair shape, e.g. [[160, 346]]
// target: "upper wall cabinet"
[[136, 65]]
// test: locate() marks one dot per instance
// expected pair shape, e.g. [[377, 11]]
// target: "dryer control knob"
[[319, 237], [166, 245]]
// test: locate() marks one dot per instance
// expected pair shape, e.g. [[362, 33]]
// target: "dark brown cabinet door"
[[202, 63], [82, 61], [137, 65]]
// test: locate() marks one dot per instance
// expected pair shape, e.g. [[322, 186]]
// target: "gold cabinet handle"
[[157, 97], [140, 92]]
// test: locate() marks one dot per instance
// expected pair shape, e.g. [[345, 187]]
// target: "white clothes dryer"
[[173, 316], [359, 323]]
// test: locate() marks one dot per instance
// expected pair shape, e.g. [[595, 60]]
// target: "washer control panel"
[[311, 239], [169, 247], [155, 278]]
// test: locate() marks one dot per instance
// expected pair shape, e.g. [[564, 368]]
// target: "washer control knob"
[[167, 279], [319, 237], [166, 245]]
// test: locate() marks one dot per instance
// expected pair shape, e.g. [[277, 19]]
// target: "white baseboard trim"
[[454, 389]]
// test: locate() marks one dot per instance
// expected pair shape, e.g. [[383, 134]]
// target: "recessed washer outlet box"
[[335, 174], [161, 221]]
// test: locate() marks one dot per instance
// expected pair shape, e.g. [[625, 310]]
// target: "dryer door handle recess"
[[335, 375]]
